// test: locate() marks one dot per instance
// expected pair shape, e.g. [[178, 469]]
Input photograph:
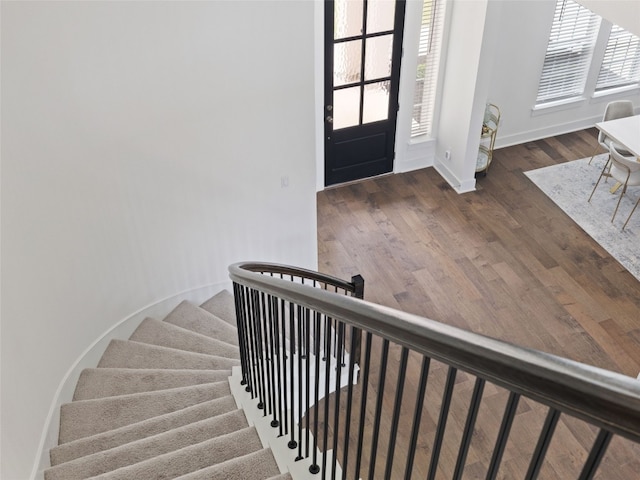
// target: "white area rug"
[[569, 186]]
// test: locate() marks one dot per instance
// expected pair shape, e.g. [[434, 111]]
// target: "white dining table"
[[624, 131]]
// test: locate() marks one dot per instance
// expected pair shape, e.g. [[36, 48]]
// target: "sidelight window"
[[427, 73]]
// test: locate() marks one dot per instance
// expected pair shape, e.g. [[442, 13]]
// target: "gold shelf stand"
[[487, 138]]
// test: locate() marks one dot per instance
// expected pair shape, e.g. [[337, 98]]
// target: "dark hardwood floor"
[[503, 261]]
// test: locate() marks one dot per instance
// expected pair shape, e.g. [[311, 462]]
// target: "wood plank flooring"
[[503, 261]]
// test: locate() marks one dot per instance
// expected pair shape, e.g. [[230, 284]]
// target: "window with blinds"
[[621, 64], [428, 61], [566, 63]]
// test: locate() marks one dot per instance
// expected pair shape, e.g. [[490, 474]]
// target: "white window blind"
[[566, 63], [431, 31], [621, 63]]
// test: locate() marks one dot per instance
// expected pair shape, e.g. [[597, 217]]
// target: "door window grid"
[[360, 88]]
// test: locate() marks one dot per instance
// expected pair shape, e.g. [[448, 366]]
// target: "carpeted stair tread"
[[165, 334], [191, 458], [108, 382], [130, 354], [196, 319], [136, 431], [149, 447], [89, 417], [258, 465], [222, 305], [159, 406]]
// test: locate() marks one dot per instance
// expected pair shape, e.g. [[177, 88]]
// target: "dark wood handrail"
[[603, 398], [285, 270]]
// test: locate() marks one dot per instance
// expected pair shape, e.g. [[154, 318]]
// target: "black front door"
[[363, 48]]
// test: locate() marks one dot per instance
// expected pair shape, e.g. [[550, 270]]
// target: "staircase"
[[159, 406]]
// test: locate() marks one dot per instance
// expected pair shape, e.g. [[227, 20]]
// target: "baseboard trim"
[[546, 132], [90, 357], [416, 156], [460, 186]]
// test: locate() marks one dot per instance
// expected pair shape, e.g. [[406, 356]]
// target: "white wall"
[[143, 145], [625, 13], [458, 117]]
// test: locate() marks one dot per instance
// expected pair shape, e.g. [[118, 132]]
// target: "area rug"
[[569, 186]]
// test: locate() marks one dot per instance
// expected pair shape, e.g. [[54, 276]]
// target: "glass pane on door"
[[378, 57], [380, 15], [347, 62], [346, 107], [376, 102], [347, 19]]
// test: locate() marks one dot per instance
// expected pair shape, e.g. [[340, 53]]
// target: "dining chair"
[[613, 110], [624, 169]]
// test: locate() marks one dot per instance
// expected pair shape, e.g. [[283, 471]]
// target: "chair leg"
[[633, 210], [599, 178], [607, 167], [624, 189], [594, 153]]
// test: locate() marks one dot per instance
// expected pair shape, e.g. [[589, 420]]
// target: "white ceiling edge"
[[625, 13]]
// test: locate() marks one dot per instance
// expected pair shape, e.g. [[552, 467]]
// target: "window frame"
[[590, 91], [616, 58], [574, 33]]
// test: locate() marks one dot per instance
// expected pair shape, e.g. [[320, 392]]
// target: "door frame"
[[409, 155], [382, 132]]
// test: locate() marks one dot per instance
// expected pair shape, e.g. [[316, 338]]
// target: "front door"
[[363, 48]]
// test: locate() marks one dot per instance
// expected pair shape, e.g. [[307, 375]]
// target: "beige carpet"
[[569, 186], [158, 406]]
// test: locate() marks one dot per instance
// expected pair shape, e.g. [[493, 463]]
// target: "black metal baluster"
[[336, 414], [260, 350], [358, 292], [300, 381], [397, 406], [292, 340], [247, 340], [240, 316], [363, 402], [273, 340], [334, 334], [378, 415], [315, 468], [266, 357], [503, 434], [417, 416], [279, 354], [327, 375], [595, 456], [307, 342], [442, 422], [474, 406], [347, 428], [301, 326], [283, 390], [255, 384], [543, 443]]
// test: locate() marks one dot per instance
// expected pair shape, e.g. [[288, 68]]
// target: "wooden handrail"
[[285, 270], [603, 398]]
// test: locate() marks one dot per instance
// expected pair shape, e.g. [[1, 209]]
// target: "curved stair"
[[159, 406]]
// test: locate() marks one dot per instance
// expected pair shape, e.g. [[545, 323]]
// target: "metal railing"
[[294, 331]]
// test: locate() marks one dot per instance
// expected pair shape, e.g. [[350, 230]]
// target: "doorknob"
[[329, 119]]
